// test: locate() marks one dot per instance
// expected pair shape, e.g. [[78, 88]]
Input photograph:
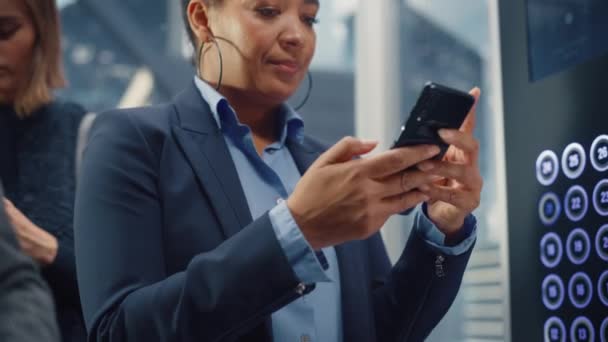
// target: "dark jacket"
[[26, 307], [160, 199], [38, 170]]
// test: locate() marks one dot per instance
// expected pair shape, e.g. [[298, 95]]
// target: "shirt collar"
[[292, 125]]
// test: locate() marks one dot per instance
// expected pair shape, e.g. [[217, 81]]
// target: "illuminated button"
[[555, 331], [553, 292], [582, 330], [604, 330], [599, 153], [601, 242], [602, 288], [580, 290], [600, 197], [578, 246], [551, 250], [575, 203], [547, 167], [573, 160], [549, 208]]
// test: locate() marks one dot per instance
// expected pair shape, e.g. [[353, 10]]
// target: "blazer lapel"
[[197, 133]]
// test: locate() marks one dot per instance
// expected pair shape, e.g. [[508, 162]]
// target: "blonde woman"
[[38, 136]]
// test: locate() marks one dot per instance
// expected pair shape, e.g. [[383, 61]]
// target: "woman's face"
[[266, 45], [17, 37]]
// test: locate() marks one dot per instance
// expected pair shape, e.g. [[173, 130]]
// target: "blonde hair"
[[46, 67]]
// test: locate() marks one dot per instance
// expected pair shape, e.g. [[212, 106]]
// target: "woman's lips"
[[289, 67]]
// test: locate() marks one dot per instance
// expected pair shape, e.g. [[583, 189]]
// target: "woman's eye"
[[268, 12], [7, 30], [311, 20]]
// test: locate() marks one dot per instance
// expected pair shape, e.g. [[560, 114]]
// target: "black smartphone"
[[437, 107]]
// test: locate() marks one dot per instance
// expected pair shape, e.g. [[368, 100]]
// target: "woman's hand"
[[34, 241], [340, 199], [454, 197]]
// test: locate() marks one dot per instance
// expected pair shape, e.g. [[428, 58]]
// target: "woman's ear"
[[198, 18]]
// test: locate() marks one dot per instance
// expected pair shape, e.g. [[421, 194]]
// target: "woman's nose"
[[293, 34]]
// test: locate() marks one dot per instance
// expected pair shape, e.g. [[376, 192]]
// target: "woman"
[[219, 220], [37, 150]]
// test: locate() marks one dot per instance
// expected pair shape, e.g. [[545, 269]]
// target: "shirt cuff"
[[434, 237], [306, 264]]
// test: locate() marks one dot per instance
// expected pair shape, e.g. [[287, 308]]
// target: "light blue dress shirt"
[[269, 179]]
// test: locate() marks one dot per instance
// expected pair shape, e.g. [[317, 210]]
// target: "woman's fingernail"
[[368, 141], [425, 166], [445, 133]]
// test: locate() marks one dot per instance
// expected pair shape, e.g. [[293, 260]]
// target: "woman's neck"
[[259, 116]]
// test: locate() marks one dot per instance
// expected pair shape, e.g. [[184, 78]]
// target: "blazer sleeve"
[[127, 294], [27, 307], [413, 296]]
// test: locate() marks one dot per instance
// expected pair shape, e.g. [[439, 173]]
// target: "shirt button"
[[305, 338], [280, 200]]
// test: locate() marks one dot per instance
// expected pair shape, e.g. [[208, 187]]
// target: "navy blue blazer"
[[167, 250]]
